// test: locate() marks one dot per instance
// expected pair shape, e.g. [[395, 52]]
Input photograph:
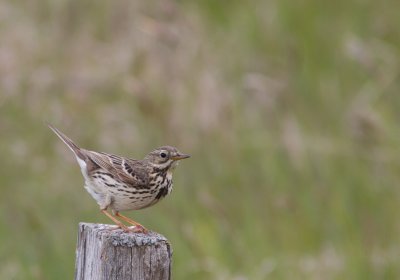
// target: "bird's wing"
[[128, 171]]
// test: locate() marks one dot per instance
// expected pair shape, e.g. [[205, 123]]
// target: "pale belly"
[[110, 194]]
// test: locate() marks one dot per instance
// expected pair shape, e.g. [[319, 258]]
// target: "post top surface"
[[120, 238]]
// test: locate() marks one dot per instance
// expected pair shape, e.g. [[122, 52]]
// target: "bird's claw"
[[139, 229]]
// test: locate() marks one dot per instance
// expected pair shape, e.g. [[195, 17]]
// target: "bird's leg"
[[138, 227], [115, 220]]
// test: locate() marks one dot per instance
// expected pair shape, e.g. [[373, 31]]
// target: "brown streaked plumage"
[[120, 183]]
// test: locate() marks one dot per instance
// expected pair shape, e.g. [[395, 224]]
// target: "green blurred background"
[[290, 110]]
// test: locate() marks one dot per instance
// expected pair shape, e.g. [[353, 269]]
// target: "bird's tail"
[[74, 148]]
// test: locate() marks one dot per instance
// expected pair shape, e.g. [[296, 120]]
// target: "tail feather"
[[74, 148]]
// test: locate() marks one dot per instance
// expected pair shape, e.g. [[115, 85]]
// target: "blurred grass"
[[290, 110]]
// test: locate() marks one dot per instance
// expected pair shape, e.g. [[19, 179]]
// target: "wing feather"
[[128, 171]]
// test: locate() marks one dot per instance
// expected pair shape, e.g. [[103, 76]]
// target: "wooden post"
[[104, 252]]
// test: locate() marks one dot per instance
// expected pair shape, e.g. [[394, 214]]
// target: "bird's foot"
[[121, 226], [132, 229], [140, 229]]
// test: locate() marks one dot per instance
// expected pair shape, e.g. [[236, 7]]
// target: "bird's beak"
[[180, 156]]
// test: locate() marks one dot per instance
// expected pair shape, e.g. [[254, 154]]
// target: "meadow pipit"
[[121, 184]]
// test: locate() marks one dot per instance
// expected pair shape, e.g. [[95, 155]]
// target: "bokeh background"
[[290, 110]]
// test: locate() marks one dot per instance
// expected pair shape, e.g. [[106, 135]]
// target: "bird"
[[120, 184]]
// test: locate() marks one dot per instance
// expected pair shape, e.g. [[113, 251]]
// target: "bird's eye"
[[163, 155]]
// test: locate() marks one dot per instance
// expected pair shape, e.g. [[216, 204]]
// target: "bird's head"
[[165, 157]]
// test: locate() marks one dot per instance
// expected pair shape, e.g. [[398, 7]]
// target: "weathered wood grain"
[[104, 252]]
